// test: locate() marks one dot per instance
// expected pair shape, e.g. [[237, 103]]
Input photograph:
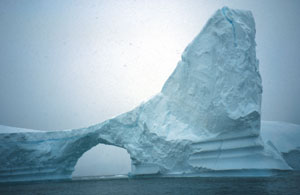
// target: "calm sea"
[[280, 184]]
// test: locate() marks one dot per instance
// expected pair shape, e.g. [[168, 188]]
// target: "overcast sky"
[[69, 64]]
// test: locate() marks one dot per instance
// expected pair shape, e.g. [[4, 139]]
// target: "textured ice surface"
[[216, 88], [6, 129], [205, 119]]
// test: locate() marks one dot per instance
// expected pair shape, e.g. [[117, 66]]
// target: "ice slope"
[[286, 138], [6, 129], [205, 119]]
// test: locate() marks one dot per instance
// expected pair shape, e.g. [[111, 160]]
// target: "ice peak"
[[228, 15], [216, 87]]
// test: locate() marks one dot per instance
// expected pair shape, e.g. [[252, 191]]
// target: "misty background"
[[71, 64]]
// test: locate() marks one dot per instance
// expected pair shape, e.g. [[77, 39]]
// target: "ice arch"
[[37, 155], [103, 160]]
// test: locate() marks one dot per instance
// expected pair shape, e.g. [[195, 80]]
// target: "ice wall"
[[216, 87]]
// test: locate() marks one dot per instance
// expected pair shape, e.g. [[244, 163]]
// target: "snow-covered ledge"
[[205, 119]]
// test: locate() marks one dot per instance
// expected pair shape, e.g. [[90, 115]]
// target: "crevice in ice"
[[231, 21], [219, 153]]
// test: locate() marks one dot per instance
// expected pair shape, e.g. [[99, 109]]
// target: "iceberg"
[[285, 138], [206, 119]]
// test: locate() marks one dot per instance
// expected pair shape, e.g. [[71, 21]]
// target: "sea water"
[[288, 183]]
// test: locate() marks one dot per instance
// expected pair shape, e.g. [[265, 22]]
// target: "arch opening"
[[103, 160]]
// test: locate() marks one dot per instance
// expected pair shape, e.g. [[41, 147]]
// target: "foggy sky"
[[70, 64]]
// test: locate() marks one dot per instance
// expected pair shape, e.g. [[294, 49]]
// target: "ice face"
[[216, 87], [206, 117]]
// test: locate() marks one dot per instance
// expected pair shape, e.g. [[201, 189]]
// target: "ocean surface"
[[280, 184]]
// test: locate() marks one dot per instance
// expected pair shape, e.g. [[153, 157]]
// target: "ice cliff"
[[205, 119]]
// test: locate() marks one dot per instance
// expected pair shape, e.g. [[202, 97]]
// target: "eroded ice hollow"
[[206, 119]]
